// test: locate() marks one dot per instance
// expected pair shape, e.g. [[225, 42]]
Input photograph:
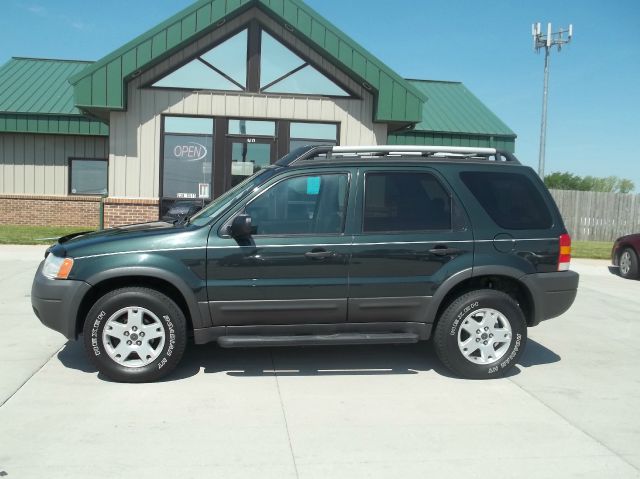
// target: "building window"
[[88, 176], [282, 71], [224, 67], [304, 133], [252, 127], [187, 158], [255, 61]]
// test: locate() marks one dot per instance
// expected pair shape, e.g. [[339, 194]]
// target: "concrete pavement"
[[569, 410]]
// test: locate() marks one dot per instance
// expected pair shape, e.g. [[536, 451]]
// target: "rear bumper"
[[552, 293], [56, 302]]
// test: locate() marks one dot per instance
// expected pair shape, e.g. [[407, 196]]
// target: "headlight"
[[56, 267]]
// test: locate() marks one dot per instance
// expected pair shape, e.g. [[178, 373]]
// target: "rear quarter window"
[[510, 199]]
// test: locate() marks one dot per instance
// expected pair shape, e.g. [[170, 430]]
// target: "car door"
[[293, 268], [412, 235]]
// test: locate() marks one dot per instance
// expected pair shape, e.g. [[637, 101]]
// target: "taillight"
[[564, 256]]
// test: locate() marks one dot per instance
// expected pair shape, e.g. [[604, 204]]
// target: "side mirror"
[[241, 227]]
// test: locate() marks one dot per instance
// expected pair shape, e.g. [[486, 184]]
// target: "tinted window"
[[301, 205], [511, 199], [405, 202], [88, 177]]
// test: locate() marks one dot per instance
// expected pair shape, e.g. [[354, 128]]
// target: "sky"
[[594, 83]]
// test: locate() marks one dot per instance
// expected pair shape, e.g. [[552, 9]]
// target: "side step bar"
[[316, 340]]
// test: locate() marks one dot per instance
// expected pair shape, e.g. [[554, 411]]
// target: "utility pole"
[[547, 41]]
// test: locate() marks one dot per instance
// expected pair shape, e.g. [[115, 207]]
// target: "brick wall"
[[125, 211], [50, 210], [75, 210]]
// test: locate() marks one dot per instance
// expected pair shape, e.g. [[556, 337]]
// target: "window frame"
[[70, 161], [222, 231], [254, 51], [443, 184]]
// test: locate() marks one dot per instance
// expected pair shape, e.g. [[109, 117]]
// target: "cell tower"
[[547, 41]]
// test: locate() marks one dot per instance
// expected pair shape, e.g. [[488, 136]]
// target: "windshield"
[[218, 205]]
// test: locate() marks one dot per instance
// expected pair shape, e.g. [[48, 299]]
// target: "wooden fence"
[[592, 216]]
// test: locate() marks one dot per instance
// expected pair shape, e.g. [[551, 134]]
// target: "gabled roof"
[[37, 98], [452, 108], [102, 85]]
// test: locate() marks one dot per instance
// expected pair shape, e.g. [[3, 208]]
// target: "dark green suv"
[[330, 245]]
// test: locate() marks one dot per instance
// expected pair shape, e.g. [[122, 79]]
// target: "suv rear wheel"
[[135, 334], [481, 334]]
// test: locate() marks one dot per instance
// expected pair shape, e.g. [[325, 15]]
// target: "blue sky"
[[594, 102]]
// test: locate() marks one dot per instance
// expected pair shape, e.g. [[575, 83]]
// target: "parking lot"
[[570, 409]]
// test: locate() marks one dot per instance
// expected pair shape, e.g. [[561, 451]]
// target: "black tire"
[[462, 311], [168, 316], [630, 271]]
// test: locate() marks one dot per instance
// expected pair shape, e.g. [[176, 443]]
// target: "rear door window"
[[405, 201], [510, 199]]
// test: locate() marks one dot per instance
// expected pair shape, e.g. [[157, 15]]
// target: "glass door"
[[248, 155]]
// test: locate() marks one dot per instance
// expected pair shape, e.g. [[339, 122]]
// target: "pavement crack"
[[30, 376], [574, 425], [284, 415]]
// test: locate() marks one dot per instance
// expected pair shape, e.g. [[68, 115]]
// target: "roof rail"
[[311, 152], [391, 149]]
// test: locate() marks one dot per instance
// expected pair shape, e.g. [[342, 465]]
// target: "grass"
[[19, 234], [591, 249]]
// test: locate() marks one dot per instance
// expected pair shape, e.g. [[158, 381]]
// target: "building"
[[191, 107]]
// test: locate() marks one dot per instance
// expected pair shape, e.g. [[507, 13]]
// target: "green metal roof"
[[35, 97], [102, 85], [452, 108]]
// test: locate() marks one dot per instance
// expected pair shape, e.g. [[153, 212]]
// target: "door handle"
[[319, 254], [442, 250]]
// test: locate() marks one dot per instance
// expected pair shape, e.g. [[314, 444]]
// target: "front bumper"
[[552, 293], [55, 302]]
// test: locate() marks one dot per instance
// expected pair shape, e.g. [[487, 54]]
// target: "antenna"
[[547, 42]]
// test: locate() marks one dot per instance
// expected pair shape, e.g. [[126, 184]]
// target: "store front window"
[[187, 161]]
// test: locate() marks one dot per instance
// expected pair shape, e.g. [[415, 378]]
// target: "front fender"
[[183, 274]]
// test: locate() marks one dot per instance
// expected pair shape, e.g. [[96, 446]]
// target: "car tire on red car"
[[628, 263]]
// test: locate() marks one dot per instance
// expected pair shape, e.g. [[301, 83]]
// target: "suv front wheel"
[[135, 334], [481, 335]]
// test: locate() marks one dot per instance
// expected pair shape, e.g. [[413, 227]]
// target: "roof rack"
[[396, 149], [311, 152]]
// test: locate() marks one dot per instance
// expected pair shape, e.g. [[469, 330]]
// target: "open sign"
[[190, 151]]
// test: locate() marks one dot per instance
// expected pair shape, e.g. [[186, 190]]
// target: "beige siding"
[[135, 134], [38, 164]]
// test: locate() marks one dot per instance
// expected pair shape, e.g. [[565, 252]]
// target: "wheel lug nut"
[[138, 343], [486, 328], [484, 342], [135, 328], [491, 335], [478, 331], [477, 340], [126, 333], [129, 343], [141, 335]]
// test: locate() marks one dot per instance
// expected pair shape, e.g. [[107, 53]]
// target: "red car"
[[624, 255]]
